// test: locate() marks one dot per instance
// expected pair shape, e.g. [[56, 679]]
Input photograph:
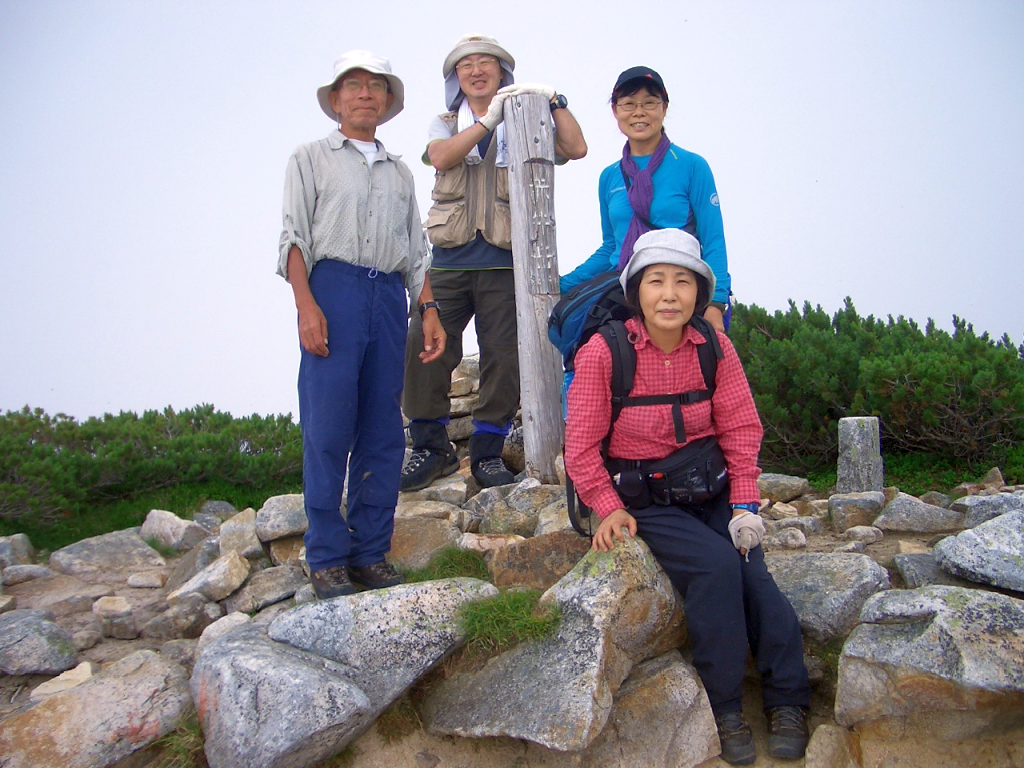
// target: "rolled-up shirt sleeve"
[[299, 204]]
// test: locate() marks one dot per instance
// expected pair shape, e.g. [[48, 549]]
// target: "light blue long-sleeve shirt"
[[684, 189]]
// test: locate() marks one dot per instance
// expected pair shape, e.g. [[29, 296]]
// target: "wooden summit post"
[[529, 131]]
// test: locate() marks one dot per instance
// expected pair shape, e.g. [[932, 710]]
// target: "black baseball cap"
[[640, 73]]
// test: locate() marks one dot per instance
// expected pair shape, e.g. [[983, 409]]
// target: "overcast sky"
[[864, 149]]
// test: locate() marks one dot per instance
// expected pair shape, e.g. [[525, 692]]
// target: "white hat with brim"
[[668, 246], [375, 65]]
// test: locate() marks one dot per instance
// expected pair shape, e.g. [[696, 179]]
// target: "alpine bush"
[[958, 396]]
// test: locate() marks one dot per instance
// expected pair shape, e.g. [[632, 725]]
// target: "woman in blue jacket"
[[656, 185]]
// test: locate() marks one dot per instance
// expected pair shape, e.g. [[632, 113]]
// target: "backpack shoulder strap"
[[623, 363], [708, 354]]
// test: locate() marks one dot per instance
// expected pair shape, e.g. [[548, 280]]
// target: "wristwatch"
[[427, 305], [753, 507], [560, 102]]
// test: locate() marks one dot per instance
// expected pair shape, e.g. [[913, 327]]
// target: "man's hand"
[[611, 529], [495, 112], [313, 329], [520, 89], [714, 316], [434, 337]]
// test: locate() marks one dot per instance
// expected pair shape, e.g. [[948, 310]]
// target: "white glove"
[[519, 89], [495, 112], [747, 531]]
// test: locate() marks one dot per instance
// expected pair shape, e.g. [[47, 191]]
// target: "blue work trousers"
[[731, 605], [350, 415]]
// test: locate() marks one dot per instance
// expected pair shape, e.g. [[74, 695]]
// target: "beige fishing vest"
[[470, 198]]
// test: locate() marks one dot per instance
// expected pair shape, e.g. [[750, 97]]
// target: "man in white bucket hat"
[[351, 247], [469, 226]]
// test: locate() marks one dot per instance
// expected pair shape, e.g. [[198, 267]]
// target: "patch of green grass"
[[398, 721], [160, 547], [183, 747], [450, 563], [498, 623], [183, 499], [917, 473]]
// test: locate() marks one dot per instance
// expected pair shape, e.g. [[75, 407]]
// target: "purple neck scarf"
[[640, 190]]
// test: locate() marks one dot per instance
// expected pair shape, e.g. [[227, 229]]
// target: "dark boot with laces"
[[736, 739], [375, 576], [788, 733], [433, 456], [488, 467], [331, 582]]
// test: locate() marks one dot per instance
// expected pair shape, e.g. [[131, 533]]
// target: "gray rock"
[[463, 406], [239, 535], [222, 510], [505, 519], [849, 510], [31, 644], [282, 516], [120, 550], [527, 498], [461, 385], [210, 522], [19, 574], [661, 718], [115, 618], [538, 562], [470, 366], [193, 561], [147, 580], [866, 533], [182, 652], [782, 487], [85, 639], [514, 451], [809, 525], [384, 639], [936, 499], [171, 531], [860, 457], [215, 582], [833, 747], [439, 510], [617, 609], [554, 517], [921, 570], [827, 591], [219, 628], [63, 595], [187, 619], [266, 588], [991, 553], [943, 662], [416, 540], [981, 509], [855, 547], [450, 490], [16, 550], [907, 513], [788, 538], [126, 707], [460, 428], [305, 595]]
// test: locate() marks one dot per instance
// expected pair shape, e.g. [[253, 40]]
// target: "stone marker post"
[[529, 130], [860, 455]]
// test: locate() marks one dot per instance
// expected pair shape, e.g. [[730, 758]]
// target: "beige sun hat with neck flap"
[[668, 246], [375, 65]]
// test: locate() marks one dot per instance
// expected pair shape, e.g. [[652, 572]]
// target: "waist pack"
[[694, 474]]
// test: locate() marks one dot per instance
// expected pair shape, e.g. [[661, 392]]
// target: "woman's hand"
[[611, 529]]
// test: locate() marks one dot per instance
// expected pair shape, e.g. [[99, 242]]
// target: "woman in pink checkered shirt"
[[710, 550]]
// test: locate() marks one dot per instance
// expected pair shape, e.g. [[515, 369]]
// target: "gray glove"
[[495, 112], [747, 531], [518, 89]]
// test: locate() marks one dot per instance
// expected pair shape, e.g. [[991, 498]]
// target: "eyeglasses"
[[630, 106], [353, 86], [465, 66]]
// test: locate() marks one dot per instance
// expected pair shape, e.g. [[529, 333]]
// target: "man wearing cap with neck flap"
[[352, 245], [470, 228]]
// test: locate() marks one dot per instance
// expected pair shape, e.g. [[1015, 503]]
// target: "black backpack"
[[607, 322]]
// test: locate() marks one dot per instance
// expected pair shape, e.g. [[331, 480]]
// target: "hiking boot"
[[787, 732], [376, 576], [736, 738], [492, 471], [425, 466], [331, 582]]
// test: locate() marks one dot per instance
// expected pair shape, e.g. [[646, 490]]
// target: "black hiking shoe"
[[491, 472], [425, 466], [376, 576], [787, 732], [331, 582], [736, 738]]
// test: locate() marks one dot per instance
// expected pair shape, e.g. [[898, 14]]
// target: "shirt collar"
[[336, 140], [637, 329]]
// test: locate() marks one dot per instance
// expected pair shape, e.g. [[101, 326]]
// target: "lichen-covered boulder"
[[991, 553]]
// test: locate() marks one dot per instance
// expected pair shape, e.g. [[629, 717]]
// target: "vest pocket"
[[451, 184], [501, 226], [501, 183], [446, 225]]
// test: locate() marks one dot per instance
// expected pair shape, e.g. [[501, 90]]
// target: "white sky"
[[864, 149]]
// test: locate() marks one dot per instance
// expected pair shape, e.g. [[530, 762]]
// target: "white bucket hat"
[[467, 45], [372, 63], [668, 246]]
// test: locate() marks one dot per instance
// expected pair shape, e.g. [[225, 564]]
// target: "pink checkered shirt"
[[647, 432]]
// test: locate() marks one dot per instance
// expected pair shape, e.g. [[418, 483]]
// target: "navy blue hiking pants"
[[731, 605], [350, 415]]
